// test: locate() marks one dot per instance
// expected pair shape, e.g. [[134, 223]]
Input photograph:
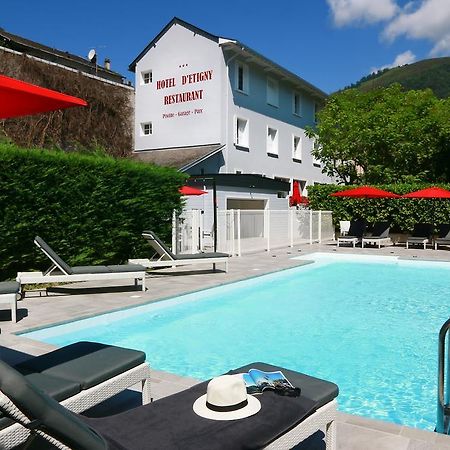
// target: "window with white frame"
[[147, 77], [146, 128], [297, 148], [315, 146], [272, 141], [241, 77], [272, 92], [296, 104], [241, 132]]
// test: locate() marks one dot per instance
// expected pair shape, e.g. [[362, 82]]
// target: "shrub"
[[402, 213], [92, 209]]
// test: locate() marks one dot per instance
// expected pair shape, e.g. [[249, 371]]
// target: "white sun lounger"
[[9, 291], [60, 271], [380, 235], [165, 258]]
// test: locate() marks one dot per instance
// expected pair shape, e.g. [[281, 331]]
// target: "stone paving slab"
[[88, 299]]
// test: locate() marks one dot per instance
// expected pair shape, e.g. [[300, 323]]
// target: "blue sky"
[[330, 43]]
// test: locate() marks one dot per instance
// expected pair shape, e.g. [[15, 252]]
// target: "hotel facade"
[[214, 108]]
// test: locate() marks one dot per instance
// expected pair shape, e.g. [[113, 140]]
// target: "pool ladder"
[[443, 395]]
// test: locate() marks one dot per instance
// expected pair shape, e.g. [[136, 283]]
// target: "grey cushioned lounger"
[[165, 257], [355, 233], [9, 291], [443, 236], [60, 271], [170, 423], [421, 235], [96, 369]]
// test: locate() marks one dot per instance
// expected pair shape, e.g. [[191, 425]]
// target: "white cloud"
[[407, 57], [427, 19], [362, 11]]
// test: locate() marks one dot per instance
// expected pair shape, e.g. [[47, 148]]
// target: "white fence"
[[246, 231]]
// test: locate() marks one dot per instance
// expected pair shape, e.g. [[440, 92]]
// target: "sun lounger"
[[170, 423], [380, 235], [421, 235], [355, 233], [9, 291], [443, 237], [165, 258], [60, 271], [79, 376]]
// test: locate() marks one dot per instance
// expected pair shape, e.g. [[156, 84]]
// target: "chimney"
[[107, 64]]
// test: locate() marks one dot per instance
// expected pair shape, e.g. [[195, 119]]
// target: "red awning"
[[365, 192], [18, 98], [432, 192], [188, 190]]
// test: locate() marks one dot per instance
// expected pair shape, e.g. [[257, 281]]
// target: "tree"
[[384, 136]]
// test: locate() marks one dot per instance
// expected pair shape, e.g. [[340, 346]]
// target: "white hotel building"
[[214, 108]]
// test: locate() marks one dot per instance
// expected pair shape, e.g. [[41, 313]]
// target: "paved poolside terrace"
[[37, 310]]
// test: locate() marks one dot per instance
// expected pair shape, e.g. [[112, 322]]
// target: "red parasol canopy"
[[18, 98], [431, 192], [296, 197], [188, 190], [365, 192]]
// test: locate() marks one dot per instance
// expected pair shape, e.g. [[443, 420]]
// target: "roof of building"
[[245, 180], [233, 45], [180, 158], [23, 45]]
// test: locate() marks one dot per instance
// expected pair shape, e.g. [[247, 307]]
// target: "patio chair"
[[60, 271], [355, 233], [379, 236], [170, 423], [444, 235], [9, 291], [165, 258], [79, 376], [421, 235]]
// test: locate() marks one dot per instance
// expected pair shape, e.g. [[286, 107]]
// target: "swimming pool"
[[368, 324]]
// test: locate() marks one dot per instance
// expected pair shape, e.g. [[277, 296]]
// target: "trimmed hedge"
[[402, 213], [91, 209]]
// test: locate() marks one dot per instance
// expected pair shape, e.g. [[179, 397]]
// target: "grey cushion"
[[417, 239], [57, 420], [80, 270], [86, 363], [9, 287], [53, 255], [201, 255], [57, 388], [127, 268]]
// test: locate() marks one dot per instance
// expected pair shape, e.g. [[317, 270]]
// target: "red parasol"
[[18, 98], [296, 197], [431, 192], [188, 190], [365, 192]]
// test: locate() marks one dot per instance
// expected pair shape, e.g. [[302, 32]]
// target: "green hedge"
[[402, 213], [91, 209]]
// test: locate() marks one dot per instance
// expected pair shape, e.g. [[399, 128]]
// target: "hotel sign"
[[191, 95]]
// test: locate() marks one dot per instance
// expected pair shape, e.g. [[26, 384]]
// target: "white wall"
[[178, 53]]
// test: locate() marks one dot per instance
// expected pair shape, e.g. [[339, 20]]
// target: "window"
[[238, 172], [147, 77], [241, 138], [272, 92], [297, 148], [272, 141], [242, 77], [316, 111], [315, 146], [296, 104], [146, 128]]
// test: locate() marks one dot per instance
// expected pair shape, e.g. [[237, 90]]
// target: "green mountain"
[[428, 73]]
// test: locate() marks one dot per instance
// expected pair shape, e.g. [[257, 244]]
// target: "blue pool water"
[[369, 327]]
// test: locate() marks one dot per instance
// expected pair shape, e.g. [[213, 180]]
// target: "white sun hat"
[[226, 398]]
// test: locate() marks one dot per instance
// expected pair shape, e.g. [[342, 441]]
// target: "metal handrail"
[[443, 396]]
